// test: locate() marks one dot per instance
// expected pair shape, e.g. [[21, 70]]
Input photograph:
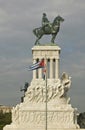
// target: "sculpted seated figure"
[[45, 22]]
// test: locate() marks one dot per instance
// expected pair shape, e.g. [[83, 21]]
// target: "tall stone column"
[[56, 68], [40, 72], [51, 68], [34, 71]]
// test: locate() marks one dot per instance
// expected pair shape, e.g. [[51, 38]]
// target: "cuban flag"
[[40, 64]]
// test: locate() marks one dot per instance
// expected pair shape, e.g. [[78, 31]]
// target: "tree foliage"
[[81, 120], [5, 118]]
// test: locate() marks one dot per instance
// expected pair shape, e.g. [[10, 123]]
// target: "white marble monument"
[[31, 114]]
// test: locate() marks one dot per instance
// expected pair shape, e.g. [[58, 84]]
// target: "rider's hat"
[[44, 14]]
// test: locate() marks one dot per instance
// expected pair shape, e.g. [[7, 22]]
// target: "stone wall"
[[5, 109]]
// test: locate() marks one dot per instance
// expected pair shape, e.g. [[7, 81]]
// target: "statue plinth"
[[51, 55], [31, 114]]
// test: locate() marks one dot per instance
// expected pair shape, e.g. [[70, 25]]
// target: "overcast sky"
[[17, 20]]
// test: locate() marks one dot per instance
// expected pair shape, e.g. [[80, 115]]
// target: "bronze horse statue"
[[47, 30]]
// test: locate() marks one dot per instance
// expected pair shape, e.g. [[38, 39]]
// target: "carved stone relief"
[[55, 89]]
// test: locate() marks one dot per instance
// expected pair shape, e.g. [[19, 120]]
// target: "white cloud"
[[3, 16], [17, 20]]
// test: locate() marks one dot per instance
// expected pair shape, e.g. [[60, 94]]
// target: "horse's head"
[[58, 19]]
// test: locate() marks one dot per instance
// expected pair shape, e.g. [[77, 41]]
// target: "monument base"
[[14, 127], [33, 114]]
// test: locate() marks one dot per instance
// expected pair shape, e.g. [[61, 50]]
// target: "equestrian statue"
[[48, 28]]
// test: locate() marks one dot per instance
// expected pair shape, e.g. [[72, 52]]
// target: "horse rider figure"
[[45, 22]]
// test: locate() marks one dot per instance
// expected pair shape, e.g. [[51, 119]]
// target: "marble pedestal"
[[31, 114]]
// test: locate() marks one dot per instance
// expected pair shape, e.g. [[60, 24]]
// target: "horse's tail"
[[35, 32]]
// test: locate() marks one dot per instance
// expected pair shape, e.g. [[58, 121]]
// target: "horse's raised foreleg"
[[37, 40], [35, 31], [38, 32]]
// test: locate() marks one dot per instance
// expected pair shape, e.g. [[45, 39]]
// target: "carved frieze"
[[57, 118], [55, 89]]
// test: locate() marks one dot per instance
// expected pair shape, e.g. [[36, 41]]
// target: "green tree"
[[5, 118], [81, 120]]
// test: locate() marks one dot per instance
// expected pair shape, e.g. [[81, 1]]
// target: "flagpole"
[[46, 97], [46, 102]]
